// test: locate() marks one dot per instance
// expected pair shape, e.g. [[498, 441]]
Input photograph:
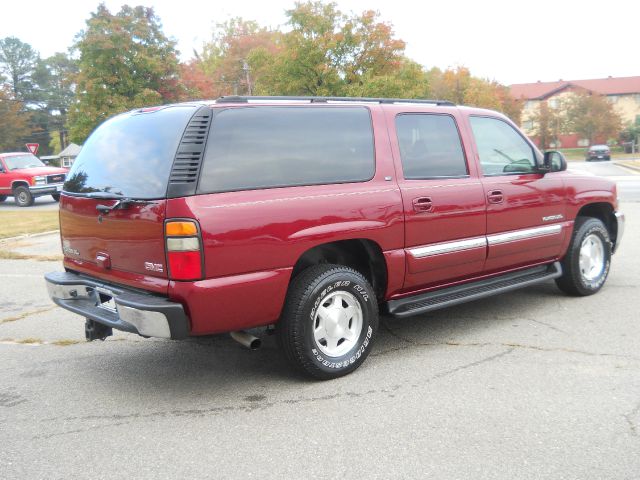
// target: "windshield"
[[130, 155], [23, 161]]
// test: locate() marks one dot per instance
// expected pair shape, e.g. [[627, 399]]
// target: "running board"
[[425, 302]]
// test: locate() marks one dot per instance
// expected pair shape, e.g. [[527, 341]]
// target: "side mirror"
[[554, 161]]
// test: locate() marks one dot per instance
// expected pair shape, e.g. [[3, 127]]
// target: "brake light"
[[184, 250]]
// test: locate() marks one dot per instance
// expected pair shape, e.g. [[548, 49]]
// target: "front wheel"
[[329, 321], [586, 265], [56, 196], [23, 197]]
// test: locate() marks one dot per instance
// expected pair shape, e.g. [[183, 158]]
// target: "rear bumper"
[[134, 312]]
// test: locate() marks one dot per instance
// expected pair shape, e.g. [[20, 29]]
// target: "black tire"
[[23, 197], [301, 314], [574, 281], [56, 196], [2, 198]]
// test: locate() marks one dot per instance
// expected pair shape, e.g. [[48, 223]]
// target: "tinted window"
[[131, 154], [430, 146], [501, 149], [263, 147]]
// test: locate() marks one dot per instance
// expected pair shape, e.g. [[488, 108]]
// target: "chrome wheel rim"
[[591, 257], [22, 197], [337, 324]]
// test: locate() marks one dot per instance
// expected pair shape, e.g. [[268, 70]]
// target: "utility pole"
[[245, 67]]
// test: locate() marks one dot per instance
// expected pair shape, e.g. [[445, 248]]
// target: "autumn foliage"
[[125, 61]]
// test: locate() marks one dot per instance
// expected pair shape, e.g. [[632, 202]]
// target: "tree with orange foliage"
[[459, 86], [223, 65], [14, 121], [592, 116]]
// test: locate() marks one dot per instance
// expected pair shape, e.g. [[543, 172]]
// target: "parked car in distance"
[[308, 216], [598, 152], [25, 177]]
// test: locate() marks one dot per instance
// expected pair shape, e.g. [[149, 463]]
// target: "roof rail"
[[248, 99]]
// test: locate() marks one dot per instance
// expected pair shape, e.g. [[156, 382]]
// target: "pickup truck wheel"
[[586, 265], [2, 198], [329, 321], [23, 197], [56, 196]]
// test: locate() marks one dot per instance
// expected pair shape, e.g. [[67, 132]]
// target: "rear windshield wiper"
[[122, 204]]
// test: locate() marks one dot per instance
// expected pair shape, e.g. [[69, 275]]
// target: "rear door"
[[525, 209], [112, 209], [443, 199]]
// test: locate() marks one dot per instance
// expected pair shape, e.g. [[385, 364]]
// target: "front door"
[[443, 199], [525, 209]]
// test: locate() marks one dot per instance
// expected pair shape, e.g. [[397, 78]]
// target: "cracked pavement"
[[527, 385]]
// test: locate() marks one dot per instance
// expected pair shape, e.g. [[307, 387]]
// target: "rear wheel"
[[329, 321], [23, 197], [56, 196], [586, 266], [2, 198]]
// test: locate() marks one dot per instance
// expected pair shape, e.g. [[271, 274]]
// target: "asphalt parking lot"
[[527, 385], [46, 202]]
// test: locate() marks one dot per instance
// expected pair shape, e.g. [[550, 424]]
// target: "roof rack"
[[248, 99]]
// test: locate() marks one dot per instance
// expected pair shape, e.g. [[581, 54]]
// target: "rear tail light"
[[184, 249]]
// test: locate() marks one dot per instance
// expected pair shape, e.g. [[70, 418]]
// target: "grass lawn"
[[13, 224]]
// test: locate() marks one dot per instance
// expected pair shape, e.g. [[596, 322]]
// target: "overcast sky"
[[509, 41]]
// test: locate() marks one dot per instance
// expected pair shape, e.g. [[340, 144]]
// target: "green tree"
[[329, 53], [407, 81], [592, 116], [17, 63], [54, 91], [14, 121], [548, 123], [125, 61], [631, 135]]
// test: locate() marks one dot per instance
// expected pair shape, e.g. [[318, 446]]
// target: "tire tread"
[[289, 336]]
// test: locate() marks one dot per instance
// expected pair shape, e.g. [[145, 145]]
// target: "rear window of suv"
[[266, 147], [131, 154]]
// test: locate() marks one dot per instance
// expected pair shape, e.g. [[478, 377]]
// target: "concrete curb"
[[630, 166], [28, 235]]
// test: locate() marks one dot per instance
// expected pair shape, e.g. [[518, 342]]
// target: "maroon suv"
[[310, 215]]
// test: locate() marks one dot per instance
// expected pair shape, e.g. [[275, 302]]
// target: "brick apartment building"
[[622, 92]]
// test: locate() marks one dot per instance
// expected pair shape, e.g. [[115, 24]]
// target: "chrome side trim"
[[524, 234], [448, 247]]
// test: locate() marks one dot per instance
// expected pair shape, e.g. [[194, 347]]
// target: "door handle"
[[495, 196], [423, 204]]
